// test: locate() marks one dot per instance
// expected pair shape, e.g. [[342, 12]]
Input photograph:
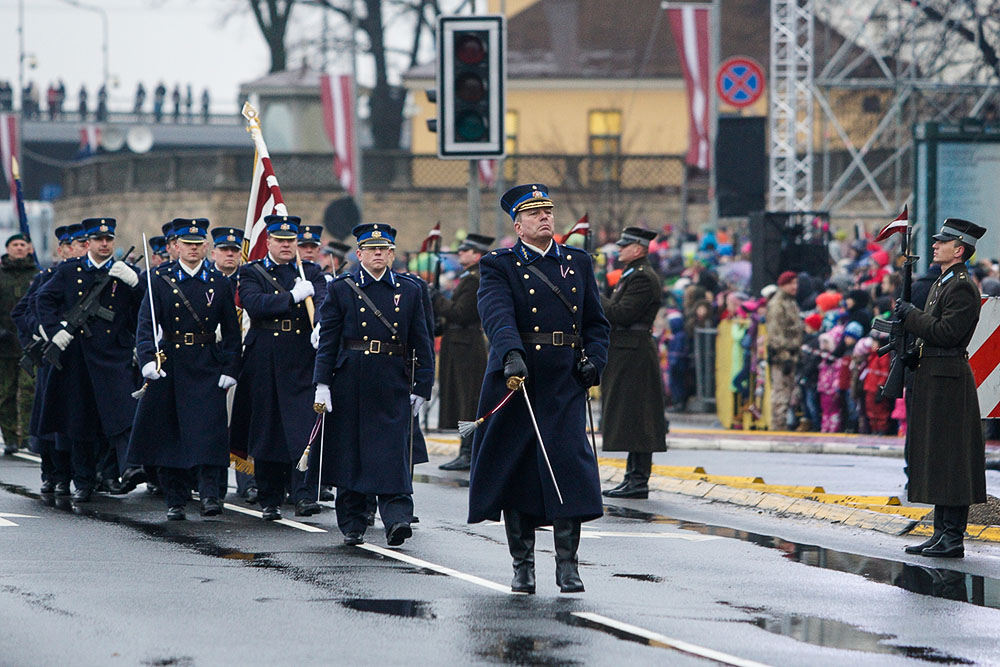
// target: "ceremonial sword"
[[541, 444], [160, 357]]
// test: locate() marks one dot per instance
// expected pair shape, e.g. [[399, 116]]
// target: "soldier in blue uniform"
[[559, 342], [372, 325], [226, 256], [157, 251], [180, 424], [272, 415], [53, 449], [309, 240], [170, 240], [97, 369]]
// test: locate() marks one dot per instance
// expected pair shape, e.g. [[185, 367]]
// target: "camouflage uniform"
[[784, 339], [17, 388]]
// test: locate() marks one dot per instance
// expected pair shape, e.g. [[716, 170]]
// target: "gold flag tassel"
[[303, 463]]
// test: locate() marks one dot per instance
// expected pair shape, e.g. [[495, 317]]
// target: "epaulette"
[[573, 248], [416, 280], [502, 251], [342, 276]]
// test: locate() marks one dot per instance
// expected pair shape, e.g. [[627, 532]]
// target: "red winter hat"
[[828, 301], [786, 277], [814, 321]]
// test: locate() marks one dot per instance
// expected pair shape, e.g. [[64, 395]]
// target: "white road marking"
[[284, 522], [28, 457], [472, 579], [656, 639], [5, 522]]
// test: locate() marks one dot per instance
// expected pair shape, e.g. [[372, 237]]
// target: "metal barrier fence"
[[384, 171], [704, 369]]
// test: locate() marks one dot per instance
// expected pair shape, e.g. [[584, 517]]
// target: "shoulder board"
[[342, 276], [500, 251], [573, 248], [416, 280], [70, 261]]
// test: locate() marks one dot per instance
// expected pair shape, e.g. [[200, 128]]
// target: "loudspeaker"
[[741, 165], [341, 216], [796, 241]]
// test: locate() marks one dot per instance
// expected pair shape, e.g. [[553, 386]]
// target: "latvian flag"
[[265, 199], [582, 226], [432, 236], [897, 225]]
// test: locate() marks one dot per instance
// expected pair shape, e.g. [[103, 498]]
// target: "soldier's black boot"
[[62, 496], [637, 477], [521, 542], [48, 493], [566, 535], [464, 459], [952, 542], [933, 539]]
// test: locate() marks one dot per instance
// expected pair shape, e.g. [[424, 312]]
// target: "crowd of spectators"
[[53, 105]]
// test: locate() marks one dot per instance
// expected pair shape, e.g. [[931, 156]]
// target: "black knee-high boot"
[[933, 539], [521, 542], [952, 542], [566, 534]]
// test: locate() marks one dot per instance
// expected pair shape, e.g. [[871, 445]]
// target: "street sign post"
[[740, 81]]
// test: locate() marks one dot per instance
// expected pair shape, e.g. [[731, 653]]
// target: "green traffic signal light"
[[470, 126]]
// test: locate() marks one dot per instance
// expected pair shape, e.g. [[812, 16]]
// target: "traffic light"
[[471, 82]]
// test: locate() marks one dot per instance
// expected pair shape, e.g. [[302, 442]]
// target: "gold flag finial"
[[15, 168], [251, 114]]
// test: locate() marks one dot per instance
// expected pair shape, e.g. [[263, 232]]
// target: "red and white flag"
[[432, 236], [337, 93], [690, 28], [897, 225], [488, 172], [582, 226], [265, 199], [90, 139], [9, 149]]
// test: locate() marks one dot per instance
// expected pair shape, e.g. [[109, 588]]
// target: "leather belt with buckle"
[[555, 338], [280, 325], [190, 338], [373, 346]]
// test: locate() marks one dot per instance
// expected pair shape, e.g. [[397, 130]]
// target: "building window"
[[605, 143]]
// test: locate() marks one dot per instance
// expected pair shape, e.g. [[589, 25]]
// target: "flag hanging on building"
[[265, 199], [897, 225], [488, 172], [9, 150], [337, 94], [90, 139], [690, 28], [582, 226]]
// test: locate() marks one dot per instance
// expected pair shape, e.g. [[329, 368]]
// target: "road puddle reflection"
[[404, 608], [922, 579]]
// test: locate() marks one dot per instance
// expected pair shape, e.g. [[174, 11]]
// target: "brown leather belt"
[[373, 346], [281, 325], [928, 351], [190, 338], [555, 338]]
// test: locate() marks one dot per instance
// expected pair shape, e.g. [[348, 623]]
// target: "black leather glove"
[[903, 309], [513, 365], [586, 373]]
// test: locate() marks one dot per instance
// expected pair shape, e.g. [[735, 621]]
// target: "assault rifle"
[[901, 344], [83, 312]]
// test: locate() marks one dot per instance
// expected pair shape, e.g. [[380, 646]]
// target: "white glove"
[[225, 382], [416, 402], [314, 337], [158, 336], [62, 338], [323, 396], [302, 289], [150, 373], [41, 332], [124, 273]]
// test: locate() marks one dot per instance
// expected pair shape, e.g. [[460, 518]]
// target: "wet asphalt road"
[[117, 585]]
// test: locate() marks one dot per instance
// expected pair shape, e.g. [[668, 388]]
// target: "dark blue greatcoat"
[[25, 317], [272, 408], [181, 420], [367, 436], [508, 469], [419, 443], [92, 393]]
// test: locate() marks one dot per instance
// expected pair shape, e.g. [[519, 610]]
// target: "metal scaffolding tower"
[[881, 66], [791, 113]]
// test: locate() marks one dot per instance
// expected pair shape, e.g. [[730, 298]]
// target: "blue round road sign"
[[740, 81]]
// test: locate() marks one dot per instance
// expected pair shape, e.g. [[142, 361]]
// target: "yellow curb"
[[839, 499], [922, 529], [989, 534], [915, 513], [784, 489], [835, 513]]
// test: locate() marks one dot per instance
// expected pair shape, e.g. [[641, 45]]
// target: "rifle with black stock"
[[79, 317], [901, 344]]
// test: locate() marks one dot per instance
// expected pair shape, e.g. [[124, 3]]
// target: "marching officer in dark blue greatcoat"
[[372, 328], [170, 246], [97, 368], [541, 311], [272, 413], [53, 449], [180, 424]]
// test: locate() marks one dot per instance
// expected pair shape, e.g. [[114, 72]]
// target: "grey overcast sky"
[[176, 41]]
